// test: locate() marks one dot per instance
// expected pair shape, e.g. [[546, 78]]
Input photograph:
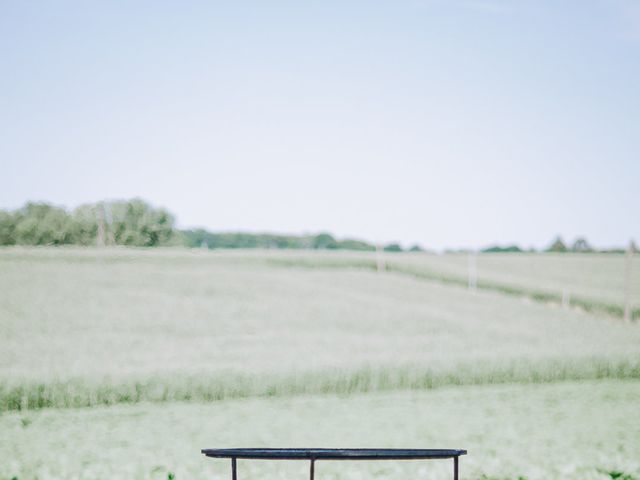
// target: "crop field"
[[123, 363]]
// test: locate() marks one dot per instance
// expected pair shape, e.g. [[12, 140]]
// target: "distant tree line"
[[579, 245], [122, 222], [137, 223], [322, 241]]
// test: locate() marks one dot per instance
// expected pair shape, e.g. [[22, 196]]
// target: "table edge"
[[332, 453]]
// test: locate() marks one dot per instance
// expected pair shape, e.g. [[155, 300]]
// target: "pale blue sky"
[[448, 123]]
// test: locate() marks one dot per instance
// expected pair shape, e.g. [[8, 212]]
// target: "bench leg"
[[234, 474], [311, 469], [455, 468]]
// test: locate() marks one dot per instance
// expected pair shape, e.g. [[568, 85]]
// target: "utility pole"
[[100, 237], [110, 238]]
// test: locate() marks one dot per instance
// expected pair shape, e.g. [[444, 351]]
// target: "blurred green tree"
[[581, 245], [557, 246], [324, 241], [136, 223], [126, 222], [42, 224], [7, 228]]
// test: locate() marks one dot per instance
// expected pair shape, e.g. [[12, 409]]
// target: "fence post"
[[472, 271], [627, 281], [380, 265], [566, 298]]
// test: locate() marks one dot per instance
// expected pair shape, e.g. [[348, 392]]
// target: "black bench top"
[[332, 453]]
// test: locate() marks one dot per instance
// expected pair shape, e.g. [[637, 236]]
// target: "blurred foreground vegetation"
[[568, 430]]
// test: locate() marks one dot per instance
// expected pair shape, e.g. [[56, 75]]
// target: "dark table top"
[[331, 453]]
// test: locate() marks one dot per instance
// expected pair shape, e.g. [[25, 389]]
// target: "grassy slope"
[[592, 282], [565, 430], [82, 327], [597, 276]]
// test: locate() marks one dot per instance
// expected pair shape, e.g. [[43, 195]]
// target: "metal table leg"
[[455, 468]]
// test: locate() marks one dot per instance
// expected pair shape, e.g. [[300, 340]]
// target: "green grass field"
[[175, 350], [562, 430]]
